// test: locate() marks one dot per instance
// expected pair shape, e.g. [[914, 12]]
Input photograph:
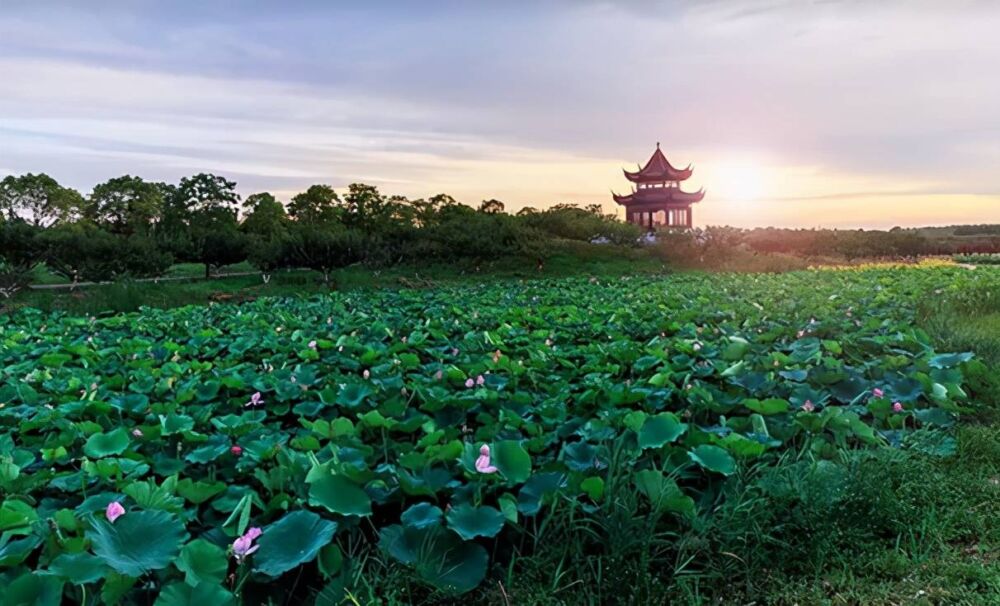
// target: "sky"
[[801, 114]]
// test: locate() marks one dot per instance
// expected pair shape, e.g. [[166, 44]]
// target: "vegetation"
[[770, 437], [130, 228]]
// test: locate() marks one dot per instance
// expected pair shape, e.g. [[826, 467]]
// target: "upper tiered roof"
[[658, 169]]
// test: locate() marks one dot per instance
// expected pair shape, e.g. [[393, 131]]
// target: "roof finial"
[[657, 145]]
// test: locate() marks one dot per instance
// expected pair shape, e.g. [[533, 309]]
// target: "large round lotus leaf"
[[202, 562], [422, 515], [340, 495], [138, 541], [293, 540], [579, 456], [471, 522], [438, 556], [660, 429], [714, 459], [512, 460], [106, 444], [78, 568], [202, 594]]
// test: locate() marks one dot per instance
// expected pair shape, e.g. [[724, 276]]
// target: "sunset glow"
[[785, 130]]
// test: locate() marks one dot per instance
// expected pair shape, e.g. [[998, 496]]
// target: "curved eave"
[[621, 199], [674, 196], [670, 174]]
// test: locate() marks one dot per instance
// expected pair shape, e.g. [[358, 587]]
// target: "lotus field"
[[241, 452]]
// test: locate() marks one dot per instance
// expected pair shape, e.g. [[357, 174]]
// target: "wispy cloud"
[[532, 102]]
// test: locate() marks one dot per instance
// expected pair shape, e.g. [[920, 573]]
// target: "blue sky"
[[793, 113]]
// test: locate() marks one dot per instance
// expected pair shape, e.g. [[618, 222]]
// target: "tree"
[[267, 254], [367, 209], [426, 212], [317, 205], [38, 199], [266, 226], [126, 205], [491, 206], [207, 192], [20, 251], [215, 237], [82, 251], [324, 250], [265, 216]]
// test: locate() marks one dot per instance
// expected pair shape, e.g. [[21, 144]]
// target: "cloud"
[[542, 102]]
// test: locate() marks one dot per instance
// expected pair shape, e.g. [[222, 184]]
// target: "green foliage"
[[38, 199], [126, 205], [622, 415], [138, 542]]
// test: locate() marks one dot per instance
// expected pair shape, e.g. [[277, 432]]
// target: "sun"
[[742, 181]]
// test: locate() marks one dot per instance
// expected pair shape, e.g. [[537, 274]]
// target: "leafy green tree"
[[195, 197], [38, 199], [207, 192], [126, 205], [265, 216], [491, 206], [268, 254], [426, 211], [215, 238], [266, 225], [82, 251], [20, 251], [318, 205], [324, 250], [365, 208]]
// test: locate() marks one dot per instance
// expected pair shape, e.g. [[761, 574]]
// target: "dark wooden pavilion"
[[657, 199]]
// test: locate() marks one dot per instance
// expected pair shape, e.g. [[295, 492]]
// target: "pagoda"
[[657, 199]]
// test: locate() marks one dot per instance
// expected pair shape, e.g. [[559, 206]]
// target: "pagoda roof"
[[659, 196], [658, 169]]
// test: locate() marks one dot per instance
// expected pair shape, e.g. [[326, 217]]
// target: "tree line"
[[130, 227]]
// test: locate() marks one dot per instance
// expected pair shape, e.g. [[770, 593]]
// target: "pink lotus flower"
[[483, 464], [897, 407], [480, 380], [800, 334], [454, 351], [255, 400], [496, 356], [808, 406], [366, 373], [312, 344], [236, 450], [438, 375], [878, 393], [470, 383], [137, 433], [114, 511], [243, 546]]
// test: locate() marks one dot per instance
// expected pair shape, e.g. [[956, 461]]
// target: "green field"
[[813, 437]]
